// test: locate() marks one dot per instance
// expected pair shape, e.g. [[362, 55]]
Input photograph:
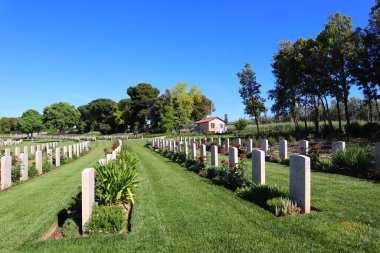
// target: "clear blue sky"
[[77, 50]]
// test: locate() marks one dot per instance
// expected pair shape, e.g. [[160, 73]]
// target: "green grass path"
[[29, 209], [178, 211]]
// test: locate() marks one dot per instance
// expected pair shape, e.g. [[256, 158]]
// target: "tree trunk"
[[257, 125], [328, 113], [316, 116], [370, 109], [305, 118], [324, 111], [345, 101], [339, 118]]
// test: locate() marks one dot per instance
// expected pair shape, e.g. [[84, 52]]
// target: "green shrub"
[[106, 220], [241, 123], [212, 172], [32, 171], [286, 162], [283, 206], [116, 180], [70, 229], [260, 194], [15, 174], [46, 166], [231, 177], [272, 141], [355, 159], [65, 160]]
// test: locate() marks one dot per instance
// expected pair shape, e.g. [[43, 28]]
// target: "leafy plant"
[[283, 206], [70, 229], [15, 173], [32, 171], [355, 159], [116, 180], [46, 166], [106, 220]]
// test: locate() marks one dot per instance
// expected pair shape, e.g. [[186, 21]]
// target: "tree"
[[8, 125], [30, 122], [337, 40], [365, 64], [142, 98], [250, 93], [241, 124], [61, 116], [203, 106], [101, 115], [183, 103], [287, 91]]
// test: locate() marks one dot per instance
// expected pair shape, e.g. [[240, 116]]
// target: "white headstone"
[[24, 167], [17, 151], [193, 151], [57, 157], [303, 147], [233, 155], [258, 166], [88, 194], [70, 151], [264, 145], [338, 145], [249, 145], [214, 156], [283, 149], [227, 143], [6, 172], [203, 150], [300, 181]]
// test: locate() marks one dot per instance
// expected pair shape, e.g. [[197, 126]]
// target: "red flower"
[[105, 149], [241, 157], [224, 162], [232, 165]]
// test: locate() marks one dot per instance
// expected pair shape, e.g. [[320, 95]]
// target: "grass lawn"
[[178, 211], [29, 209]]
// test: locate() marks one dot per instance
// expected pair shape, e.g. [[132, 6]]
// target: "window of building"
[[221, 126], [212, 125]]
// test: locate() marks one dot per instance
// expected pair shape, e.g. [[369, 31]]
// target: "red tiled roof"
[[206, 120]]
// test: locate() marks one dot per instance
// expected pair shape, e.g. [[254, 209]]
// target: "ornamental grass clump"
[[116, 180], [283, 206], [354, 159]]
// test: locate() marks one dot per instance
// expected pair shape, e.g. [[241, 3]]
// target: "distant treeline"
[[145, 110]]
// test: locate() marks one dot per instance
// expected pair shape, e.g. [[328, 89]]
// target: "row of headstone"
[[193, 143], [10, 142], [88, 185], [62, 137], [113, 155], [6, 161]]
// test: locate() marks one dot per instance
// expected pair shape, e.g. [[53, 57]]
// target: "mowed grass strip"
[[178, 211], [29, 209]]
